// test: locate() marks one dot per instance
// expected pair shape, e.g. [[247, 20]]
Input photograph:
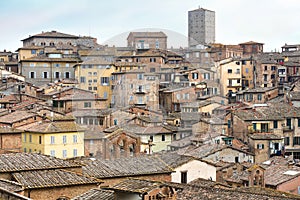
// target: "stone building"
[[147, 40], [201, 27]]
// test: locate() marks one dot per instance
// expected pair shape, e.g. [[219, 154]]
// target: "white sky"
[[273, 22]]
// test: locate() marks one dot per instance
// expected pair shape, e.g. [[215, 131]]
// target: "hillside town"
[[80, 120]]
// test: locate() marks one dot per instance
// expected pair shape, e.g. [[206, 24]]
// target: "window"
[[275, 124], [298, 119], [194, 75], [287, 141], [40, 139], [24, 137], [67, 75], [152, 69], [74, 152], [260, 146], [264, 127], [64, 153], [90, 88], [177, 96], [152, 59], [289, 123], [45, 74], [33, 51], [247, 70], [90, 73], [229, 71], [296, 141], [25, 150], [82, 79], [95, 73], [57, 65], [254, 126], [184, 177], [94, 88], [229, 123], [238, 71], [266, 68], [157, 44], [265, 85], [140, 76], [67, 65], [56, 74], [52, 153], [272, 76], [105, 95], [87, 104], [64, 139], [163, 137], [115, 122], [206, 76], [104, 80], [265, 77], [273, 68], [259, 97], [74, 138], [52, 140], [238, 81], [32, 75]]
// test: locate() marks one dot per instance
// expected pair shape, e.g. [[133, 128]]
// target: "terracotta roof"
[[205, 150], [250, 43], [10, 185], [51, 178], [52, 34], [145, 130], [132, 166], [16, 116], [4, 130], [264, 136], [44, 58], [173, 159], [147, 34], [15, 162], [137, 186], [96, 193], [9, 99], [270, 111], [205, 189], [52, 127]]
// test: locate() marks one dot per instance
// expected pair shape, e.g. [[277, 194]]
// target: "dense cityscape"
[[82, 120]]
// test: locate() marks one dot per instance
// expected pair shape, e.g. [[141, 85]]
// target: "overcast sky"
[[273, 22]]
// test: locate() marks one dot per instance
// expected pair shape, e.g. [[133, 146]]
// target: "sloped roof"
[[15, 162], [16, 116], [52, 34], [132, 166], [51, 178], [52, 127], [147, 34], [10, 185], [173, 159], [96, 193]]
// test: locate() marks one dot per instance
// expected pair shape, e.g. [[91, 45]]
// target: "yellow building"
[[231, 77], [95, 75], [59, 137]]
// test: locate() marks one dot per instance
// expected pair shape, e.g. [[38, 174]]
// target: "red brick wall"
[[290, 186], [10, 142]]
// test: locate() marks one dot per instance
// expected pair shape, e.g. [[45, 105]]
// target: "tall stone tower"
[[201, 28]]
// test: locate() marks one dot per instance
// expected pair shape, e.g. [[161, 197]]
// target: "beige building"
[[95, 75], [135, 87], [147, 40], [231, 77]]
